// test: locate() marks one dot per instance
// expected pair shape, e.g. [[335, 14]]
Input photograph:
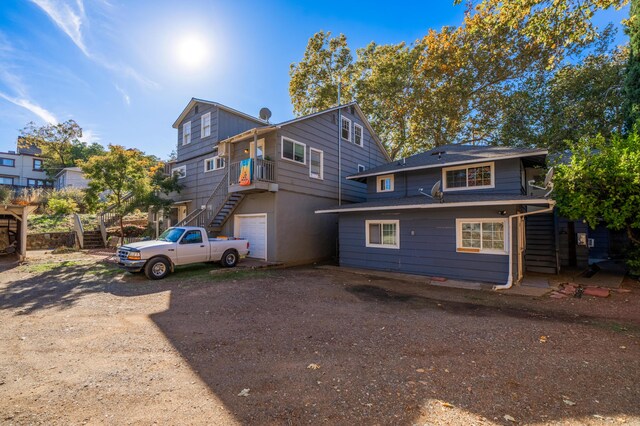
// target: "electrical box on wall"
[[592, 243]]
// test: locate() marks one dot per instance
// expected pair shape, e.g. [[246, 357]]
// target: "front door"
[[192, 248]]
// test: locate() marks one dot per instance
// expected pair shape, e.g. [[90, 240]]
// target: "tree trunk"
[[122, 228]]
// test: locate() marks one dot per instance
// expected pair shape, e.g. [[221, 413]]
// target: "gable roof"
[[194, 101], [450, 155]]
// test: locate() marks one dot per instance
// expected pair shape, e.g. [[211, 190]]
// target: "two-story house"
[[485, 223], [247, 178], [23, 168]]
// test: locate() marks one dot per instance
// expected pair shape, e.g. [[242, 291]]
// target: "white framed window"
[[384, 183], [487, 236], [361, 168], [180, 171], [293, 151], [260, 149], [205, 125], [472, 176], [186, 133], [382, 233], [213, 163], [357, 134], [345, 129], [316, 163]]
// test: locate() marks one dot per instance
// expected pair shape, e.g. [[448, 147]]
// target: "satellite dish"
[[548, 183], [548, 177], [265, 114], [436, 194]]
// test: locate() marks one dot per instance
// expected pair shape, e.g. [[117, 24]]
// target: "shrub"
[[62, 206], [76, 195], [5, 195]]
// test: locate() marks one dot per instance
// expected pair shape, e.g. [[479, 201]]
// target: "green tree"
[[60, 144], [632, 81], [602, 182]]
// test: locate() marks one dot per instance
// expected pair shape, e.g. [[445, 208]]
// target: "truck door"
[[192, 248]]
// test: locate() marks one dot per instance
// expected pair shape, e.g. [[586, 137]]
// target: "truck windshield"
[[171, 235]]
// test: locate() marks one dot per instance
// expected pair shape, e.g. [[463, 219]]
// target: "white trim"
[[439, 205], [467, 167], [342, 120], [505, 234], [195, 101], [361, 144], [385, 177], [186, 126], [215, 163], [184, 171], [266, 230], [304, 163], [382, 222], [453, 163], [321, 175], [202, 117]]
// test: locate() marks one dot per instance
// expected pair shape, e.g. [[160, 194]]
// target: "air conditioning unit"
[[222, 149]]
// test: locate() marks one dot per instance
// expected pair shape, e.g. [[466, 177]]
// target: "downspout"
[[509, 282], [339, 147]]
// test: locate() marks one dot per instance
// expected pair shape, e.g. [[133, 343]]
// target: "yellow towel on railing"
[[246, 172]]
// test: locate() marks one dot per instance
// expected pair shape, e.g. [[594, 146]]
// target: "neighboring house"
[[70, 177], [247, 178], [23, 168], [488, 226]]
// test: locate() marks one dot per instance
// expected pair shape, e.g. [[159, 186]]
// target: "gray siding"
[[230, 124], [508, 180], [431, 250], [198, 145], [321, 132]]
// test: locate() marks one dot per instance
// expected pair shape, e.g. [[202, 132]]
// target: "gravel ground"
[[84, 343]]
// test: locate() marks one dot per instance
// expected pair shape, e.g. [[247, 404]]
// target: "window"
[[346, 129], [205, 125], [180, 171], [7, 162], [385, 183], [383, 233], [360, 168], [4, 180], [481, 236], [357, 134], [186, 133], [476, 176], [316, 163], [294, 151], [192, 237], [213, 163], [37, 164], [38, 183], [260, 152]]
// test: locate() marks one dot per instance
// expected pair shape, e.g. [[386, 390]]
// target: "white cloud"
[[125, 95], [89, 136], [67, 19], [45, 115]]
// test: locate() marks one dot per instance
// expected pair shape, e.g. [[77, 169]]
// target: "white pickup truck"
[[179, 246]]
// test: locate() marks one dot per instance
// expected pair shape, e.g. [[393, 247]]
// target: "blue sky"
[[123, 69]]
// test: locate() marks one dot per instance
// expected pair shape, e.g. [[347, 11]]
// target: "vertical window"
[[346, 129], [385, 183], [37, 164], [481, 236], [316, 165], [473, 177], [357, 134], [382, 233], [294, 151], [205, 125], [186, 133], [7, 162]]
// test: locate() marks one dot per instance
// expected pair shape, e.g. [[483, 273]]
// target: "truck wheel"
[[157, 269], [229, 258]]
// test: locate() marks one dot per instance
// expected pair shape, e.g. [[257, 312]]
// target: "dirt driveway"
[[84, 343]]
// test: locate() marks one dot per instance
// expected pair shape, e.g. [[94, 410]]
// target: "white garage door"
[[254, 229]]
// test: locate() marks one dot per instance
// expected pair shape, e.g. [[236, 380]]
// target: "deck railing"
[[263, 171]]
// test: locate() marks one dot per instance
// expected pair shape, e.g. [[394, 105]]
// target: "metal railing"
[[108, 216], [203, 217], [190, 217], [263, 171], [79, 229]]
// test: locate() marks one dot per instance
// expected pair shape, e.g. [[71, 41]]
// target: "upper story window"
[[37, 164], [7, 162], [316, 163], [205, 125], [361, 168], [294, 151], [357, 134], [180, 171], [481, 236], [186, 133], [38, 183], [5, 180], [345, 129], [475, 176], [213, 163], [383, 233], [384, 183]]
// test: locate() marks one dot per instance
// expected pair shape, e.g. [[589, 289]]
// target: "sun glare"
[[191, 51]]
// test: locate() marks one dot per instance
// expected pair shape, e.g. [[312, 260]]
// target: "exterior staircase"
[[541, 250], [230, 204], [92, 240]]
